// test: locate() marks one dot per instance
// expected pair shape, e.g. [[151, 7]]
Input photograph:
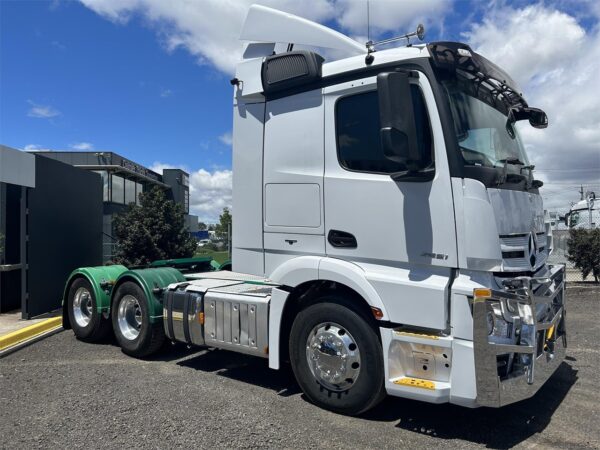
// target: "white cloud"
[[384, 16], [34, 148], [164, 93], [82, 146], [226, 138], [556, 62], [41, 111], [209, 29], [58, 45], [210, 191], [158, 167]]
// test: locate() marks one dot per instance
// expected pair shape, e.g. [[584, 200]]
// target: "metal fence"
[[560, 252], [559, 256]]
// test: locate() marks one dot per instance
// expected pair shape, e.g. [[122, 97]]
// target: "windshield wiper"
[[512, 161], [516, 162], [530, 182]]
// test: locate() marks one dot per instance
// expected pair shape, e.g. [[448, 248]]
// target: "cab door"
[[402, 233], [293, 179]]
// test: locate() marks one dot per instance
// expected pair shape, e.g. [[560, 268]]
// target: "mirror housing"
[[537, 118], [398, 131]]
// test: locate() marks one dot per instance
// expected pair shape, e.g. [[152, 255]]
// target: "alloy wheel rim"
[[129, 317], [82, 307], [333, 356]]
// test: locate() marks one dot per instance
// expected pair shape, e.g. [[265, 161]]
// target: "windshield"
[[481, 132]]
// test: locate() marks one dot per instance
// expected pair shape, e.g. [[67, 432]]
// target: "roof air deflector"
[[265, 24]]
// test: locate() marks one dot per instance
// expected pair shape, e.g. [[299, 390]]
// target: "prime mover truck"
[[388, 236]]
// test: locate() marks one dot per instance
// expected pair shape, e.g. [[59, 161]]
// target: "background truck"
[[388, 238]]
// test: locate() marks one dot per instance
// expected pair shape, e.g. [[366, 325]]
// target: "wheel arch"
[[153, 281], [101, 279], [329, 276]]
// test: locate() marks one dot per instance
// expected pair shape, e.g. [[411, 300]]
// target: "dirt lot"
[[61, 392]]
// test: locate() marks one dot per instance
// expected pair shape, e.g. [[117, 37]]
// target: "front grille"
[[515, 251]]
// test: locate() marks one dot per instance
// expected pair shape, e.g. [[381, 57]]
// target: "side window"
[[357, 132]]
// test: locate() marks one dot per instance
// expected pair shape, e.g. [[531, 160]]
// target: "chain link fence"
[[586, 219]]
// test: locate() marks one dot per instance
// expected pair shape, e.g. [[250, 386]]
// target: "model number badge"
[[441, 256]]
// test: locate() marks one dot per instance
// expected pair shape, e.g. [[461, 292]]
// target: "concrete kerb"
[[16, 340]]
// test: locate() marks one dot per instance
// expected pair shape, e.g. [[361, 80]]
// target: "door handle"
[[341, 239]]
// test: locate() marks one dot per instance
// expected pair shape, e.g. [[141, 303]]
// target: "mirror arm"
[[420, 176]]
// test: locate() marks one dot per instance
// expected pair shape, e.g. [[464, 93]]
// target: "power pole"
[[581, 192]]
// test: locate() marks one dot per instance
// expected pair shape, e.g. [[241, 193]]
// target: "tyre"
[[87, 323], [337, 358], [131, 322]]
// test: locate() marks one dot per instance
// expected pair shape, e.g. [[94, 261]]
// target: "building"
[[123, 181], [51, 223]]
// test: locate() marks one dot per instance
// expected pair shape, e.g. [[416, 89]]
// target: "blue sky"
[[107, 85], [149, 79]]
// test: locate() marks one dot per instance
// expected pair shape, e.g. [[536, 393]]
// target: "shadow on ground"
[[495, 428], [244, 368]]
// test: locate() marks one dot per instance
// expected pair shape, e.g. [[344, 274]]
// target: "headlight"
[[490, 322], [496, 325]]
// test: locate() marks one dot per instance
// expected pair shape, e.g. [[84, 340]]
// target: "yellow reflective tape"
[[419, 335], [415, 382]]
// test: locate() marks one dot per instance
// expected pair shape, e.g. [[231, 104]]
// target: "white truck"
[[388, 233], [584, 214]]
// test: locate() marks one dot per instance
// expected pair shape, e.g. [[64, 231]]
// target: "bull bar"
[[542, 343]]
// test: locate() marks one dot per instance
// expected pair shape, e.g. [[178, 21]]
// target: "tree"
[[202, 226], [222, 228], [153, 230], [584, 251]]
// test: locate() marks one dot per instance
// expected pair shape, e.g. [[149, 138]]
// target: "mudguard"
[[102, 279], [153, 281]]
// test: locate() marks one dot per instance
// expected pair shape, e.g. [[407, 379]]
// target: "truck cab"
[[399, 176]]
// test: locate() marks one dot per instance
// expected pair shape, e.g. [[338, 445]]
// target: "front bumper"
[[541, 346]]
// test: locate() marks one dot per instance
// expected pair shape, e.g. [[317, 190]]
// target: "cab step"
[[419, 389]]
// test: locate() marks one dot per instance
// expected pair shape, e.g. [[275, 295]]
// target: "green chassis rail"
[[105, 281]]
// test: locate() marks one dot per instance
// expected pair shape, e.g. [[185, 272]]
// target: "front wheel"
[[131, 322], [337, 358]]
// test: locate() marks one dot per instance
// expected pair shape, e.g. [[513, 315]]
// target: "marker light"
[[377, 313], [481, 294]]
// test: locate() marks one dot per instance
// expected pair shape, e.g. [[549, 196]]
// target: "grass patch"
[[220, 257]]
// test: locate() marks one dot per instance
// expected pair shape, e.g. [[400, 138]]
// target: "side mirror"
[[537, 118], [398, 130]]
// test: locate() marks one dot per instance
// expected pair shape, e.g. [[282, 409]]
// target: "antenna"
[[368, 23]]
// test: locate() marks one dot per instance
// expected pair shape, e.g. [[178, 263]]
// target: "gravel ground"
[[61, 392]]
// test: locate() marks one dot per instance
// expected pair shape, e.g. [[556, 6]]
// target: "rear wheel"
[[131, 322], [87, 322], [337, 358]]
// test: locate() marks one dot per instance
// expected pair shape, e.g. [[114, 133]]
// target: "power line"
[[539, 169]]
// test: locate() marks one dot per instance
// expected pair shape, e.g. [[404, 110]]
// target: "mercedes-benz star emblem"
[[532, 249]]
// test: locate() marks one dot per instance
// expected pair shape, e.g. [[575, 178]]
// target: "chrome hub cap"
[[129, 317], [333, 356], [82, 307]]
